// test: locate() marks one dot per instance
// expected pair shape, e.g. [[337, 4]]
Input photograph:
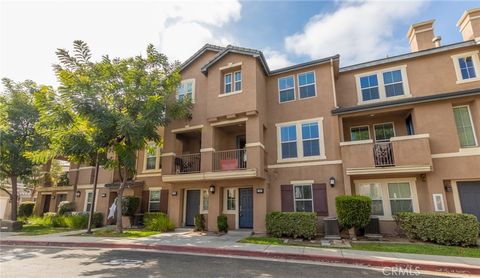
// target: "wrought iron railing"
[[383, 154], [230, 160], [187, 163]]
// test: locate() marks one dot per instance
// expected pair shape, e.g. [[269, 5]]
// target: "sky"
[[288, 32]]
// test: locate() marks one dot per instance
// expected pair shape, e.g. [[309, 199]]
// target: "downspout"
[[333, 84]]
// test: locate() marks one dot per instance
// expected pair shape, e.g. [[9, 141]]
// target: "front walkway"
[[191, 242]]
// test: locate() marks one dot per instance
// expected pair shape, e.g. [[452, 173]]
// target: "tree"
[[127, 100], [18, 117]]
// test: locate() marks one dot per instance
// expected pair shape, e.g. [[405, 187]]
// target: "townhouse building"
[[403, 130]]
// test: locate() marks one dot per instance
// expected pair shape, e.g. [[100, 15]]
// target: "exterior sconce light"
[[53, 197], [447, 185], [260, 190], [77, 194], [174, 193], [212, 189], [104, 195], [332, 181]]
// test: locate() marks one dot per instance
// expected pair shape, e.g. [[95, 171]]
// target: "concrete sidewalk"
[[189, 242]]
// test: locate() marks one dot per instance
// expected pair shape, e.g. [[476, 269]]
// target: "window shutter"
[[287, 197], [320, 198], [164, 200], [145, 197]]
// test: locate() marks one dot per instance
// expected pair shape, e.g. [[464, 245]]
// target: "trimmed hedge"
[[158, 221], [130, 205], [199, 222], [441, 228], [292, 224], [77, 220], [65, 207], [222, 223], [26, 209], [353, 211]]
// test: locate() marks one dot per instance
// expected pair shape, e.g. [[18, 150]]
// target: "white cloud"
[[357, 30], [30, 32], [276, 59]]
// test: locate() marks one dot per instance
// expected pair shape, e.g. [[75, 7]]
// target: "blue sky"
[[288, 32]]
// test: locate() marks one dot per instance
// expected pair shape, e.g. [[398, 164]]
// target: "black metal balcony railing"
[[187, 163], [383, 154], [230, 160]]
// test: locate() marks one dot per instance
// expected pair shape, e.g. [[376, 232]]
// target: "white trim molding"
[[230, 65], [223, 175], [255, 144], [167, 154], [359, 142], [476, 64], [228, 122], [389, 170], [303, 182], [206, 150], [186, 128], [460, 153], [409, 137], [305, 164]]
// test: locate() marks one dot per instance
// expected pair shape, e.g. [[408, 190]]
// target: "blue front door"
[[246, 208]]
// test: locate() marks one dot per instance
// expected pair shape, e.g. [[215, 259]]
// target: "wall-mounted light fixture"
[[332, 181], [78, 194], [174, 193], [53, 197], [447, 184], [212, 189], [104, 195], [260, 190]]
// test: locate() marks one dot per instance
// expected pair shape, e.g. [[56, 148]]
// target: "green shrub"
[[26, 209], [65, 207], [292, 224], [222, 223], [158, 221], [97, 220], [79, 221], [199, 222], [442, 228], [63, 180], [353, 211], [130, 205]]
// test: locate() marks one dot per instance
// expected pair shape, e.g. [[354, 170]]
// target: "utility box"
[[372, 230], [332, 230]]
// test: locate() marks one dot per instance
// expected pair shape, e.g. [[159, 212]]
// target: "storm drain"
[[123, 262]]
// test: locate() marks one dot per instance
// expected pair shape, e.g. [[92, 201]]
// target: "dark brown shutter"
[[145, 199], [320, 198], [164, 200], [287, 197]]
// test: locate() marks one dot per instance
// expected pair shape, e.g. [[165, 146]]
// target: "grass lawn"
[[262, 240], [35, 229], [419, 248], [107, 232]]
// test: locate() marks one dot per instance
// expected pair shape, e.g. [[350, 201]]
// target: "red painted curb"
[[440, 267]]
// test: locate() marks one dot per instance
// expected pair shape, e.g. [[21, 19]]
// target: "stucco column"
[[214, 208], [347, 183], [207, 148], [175, 207], [260, 208]]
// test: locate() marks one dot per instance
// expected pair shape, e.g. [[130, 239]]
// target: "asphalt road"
[[58, 262]]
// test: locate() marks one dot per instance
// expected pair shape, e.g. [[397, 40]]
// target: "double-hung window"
[[306, 84], [154, 201], [467, 68], [393, 83], [465, 130], [303, 198], [358, 133], [374, 191], [310, 139], [382, 85], [369, 87], [204, 202], [286, 88], [301, 140], [152, 156], [383, 132], [237, 81], [227, 83], [231, 198], [289, 141], [400, 197], [186, 90], [88, 200]]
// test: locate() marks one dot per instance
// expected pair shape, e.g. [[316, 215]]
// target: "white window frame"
[[235, 82], [298, 125], [471, 122], [476, 64], [159, 189], [157, 160], [442, 203], [202, 198], [375, 133], [86, 199], [225, 83], [295, 199], [225, 198], [191, 80], [294, 89], [387, 211], [358, 126], [381, 85], [290, 141], [300, 86], [357, 186]]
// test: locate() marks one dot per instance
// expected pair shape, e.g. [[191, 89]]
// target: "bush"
[[76, 221], [222, 223], [158, 221], [353, 211], [65, 207], [26, 209], [442, 228], [292, 224], [199, 222], [130, 205], [63, 180]]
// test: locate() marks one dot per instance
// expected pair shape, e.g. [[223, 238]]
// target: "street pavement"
[[79, 262]]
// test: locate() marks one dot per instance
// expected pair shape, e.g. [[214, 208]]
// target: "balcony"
[[402, 154], [187, 164], [230, 160]]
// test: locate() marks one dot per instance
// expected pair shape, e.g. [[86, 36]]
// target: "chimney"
[[469, 24], [421, 36], [437, 41]]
